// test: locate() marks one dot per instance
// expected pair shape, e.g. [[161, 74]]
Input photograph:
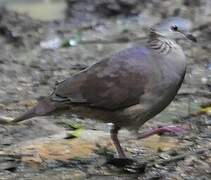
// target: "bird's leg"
[[122, 160], [114, 137], [172, 129]]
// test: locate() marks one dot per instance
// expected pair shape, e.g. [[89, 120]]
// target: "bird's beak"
[[191, 37]]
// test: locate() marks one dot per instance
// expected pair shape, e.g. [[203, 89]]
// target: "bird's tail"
[[44, 107]]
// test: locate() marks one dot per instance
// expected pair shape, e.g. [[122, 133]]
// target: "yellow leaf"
[[206, 110], [6, 120]]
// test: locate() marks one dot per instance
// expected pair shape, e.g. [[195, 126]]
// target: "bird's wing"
[[112, 83]]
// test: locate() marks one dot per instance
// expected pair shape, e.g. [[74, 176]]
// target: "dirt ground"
[[29, 71]]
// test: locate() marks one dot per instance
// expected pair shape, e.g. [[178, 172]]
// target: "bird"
[[128, 88]]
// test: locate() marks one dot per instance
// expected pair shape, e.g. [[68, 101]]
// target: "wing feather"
[[112, 83]]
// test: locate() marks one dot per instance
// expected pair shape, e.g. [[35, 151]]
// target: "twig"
[[197, 93], [112, 175], [13, 155], [179, 157], [114, 41]]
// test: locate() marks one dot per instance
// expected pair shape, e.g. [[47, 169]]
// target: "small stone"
[[164, 156]]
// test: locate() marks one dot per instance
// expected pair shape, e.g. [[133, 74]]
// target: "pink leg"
[[114, 137], [122, 160], [173, 129]]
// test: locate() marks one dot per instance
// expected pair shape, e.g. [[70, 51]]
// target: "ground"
[[71, 148]]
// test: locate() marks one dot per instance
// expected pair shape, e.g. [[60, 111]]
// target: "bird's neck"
[[161, 44]]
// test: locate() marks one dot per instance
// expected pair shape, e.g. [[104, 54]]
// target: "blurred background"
[[39, 9], [45, 41]]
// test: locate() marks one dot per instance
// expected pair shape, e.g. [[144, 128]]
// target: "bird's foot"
[[171, 129], [120, 162], [128, 165]]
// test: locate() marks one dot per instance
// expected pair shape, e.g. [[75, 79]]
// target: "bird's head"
[[174, 28]]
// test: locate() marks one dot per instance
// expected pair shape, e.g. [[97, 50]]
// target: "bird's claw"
[[172, 129], [120, 162]]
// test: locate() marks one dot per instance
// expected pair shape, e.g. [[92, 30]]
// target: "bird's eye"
[[174, 28]]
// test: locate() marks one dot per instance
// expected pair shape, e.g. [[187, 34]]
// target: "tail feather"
[[44, 107], [27, 115]]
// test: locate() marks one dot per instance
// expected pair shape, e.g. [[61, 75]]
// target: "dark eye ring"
[[174, 28]]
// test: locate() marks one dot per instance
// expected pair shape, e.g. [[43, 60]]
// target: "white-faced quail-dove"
[[128, 88]]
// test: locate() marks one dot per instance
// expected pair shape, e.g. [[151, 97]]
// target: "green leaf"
[[74, 134], [74, 41]]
